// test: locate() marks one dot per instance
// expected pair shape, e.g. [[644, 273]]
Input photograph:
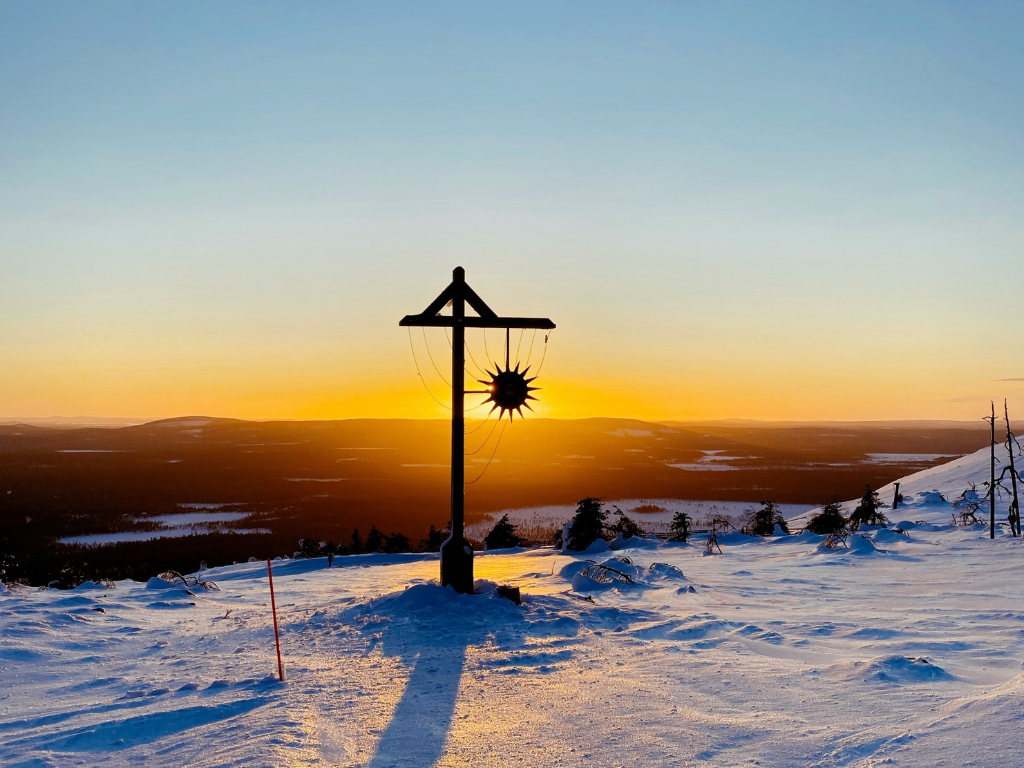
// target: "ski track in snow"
[[900, 651]]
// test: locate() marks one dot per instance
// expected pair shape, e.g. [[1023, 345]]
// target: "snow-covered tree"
[[764, 520], [310, 548], [680, 526], [587, 525], [868, 511], [503, 535], [830, 520], [626, 525]]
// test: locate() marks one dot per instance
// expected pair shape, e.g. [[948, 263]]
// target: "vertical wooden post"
[[277, 636], [896, 497], [456, 553]]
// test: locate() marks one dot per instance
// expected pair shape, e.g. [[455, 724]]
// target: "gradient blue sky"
[[766, 210]]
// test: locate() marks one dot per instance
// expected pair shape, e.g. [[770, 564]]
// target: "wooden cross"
[[456, 552]]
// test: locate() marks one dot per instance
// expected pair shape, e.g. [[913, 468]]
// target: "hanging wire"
[[530, 353], [475, 363], [486, 440], [449, 338], [483, 422], [427, 344], [487, 466], [520, 344], [478, 405], [486, 350], [545, 355], [422, 380]]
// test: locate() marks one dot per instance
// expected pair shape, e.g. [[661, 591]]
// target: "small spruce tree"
[[357, 542], [830, 520], [503, 535], [680, 526], [765, 519], [310, 547], [868, 511], [374, 540], [626, 525], [396, 542], [434, 540], [588, 524]]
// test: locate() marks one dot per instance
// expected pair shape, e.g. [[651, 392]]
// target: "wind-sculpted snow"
[[889, 669], [901, 650]]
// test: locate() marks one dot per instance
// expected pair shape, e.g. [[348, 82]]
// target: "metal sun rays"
[[509, 389]]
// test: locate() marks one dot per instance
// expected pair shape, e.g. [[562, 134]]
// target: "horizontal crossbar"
[[447, 321]]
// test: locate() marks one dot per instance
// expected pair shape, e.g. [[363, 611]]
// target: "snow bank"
[[894, 669], [858, 545], [86, 586], [633, 542], [888, 536]]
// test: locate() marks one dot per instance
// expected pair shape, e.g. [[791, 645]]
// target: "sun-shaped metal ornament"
[[509, 390]]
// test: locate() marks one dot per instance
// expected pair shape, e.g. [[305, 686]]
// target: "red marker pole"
[[277, 636]]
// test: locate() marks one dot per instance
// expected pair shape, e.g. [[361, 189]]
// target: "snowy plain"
[[902, 650]]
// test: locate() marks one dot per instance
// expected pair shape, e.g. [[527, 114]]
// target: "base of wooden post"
[[457, 565]]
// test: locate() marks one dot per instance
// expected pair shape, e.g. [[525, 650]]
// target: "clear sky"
[[766, 209]]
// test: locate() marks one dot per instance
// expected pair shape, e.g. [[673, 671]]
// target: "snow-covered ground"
[[903, 650]]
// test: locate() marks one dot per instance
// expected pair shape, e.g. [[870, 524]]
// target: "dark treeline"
[[41, 562]]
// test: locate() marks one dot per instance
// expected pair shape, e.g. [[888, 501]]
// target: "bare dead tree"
[[967, 505], [896, 497], [713, 542], [1010, 442], [835, 541]]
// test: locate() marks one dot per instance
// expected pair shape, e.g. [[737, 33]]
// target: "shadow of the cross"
[[430, 630], [418, 731]]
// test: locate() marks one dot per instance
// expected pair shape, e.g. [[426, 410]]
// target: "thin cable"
[[448, 337], [427, 344], [485, 420], [500, 435], [486, 350], [422, 380], [475, 363], [520, 344], [545, 355], [530, 353], [485, 442]]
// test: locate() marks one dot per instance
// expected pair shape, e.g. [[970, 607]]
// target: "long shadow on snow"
[[430, 629]]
